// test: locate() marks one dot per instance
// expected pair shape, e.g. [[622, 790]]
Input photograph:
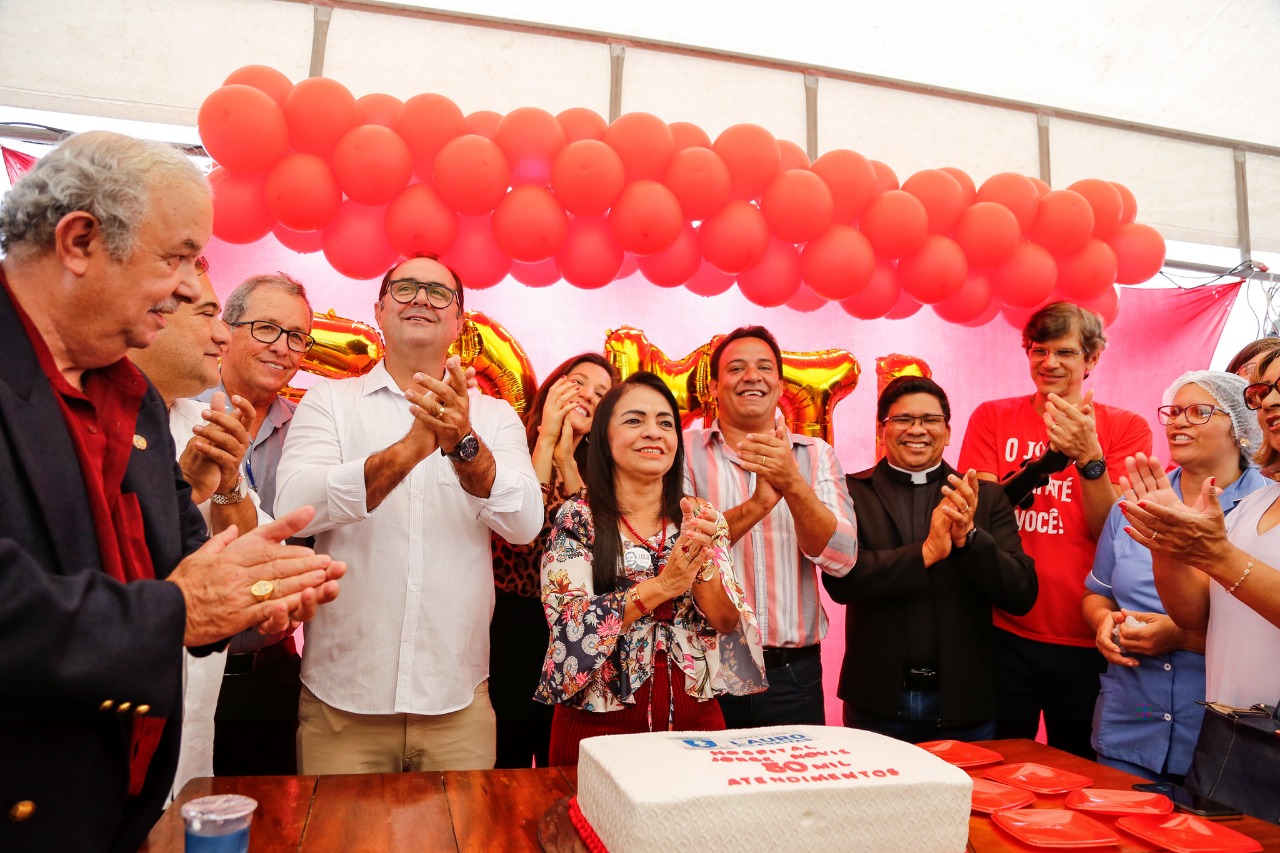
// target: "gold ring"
[[262, 590], [440, 410]]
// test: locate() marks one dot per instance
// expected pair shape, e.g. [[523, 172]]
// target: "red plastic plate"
[[1054, 828], [1123, 801], [991, 796], [961, 754], [1187, 833], [1038, 778]]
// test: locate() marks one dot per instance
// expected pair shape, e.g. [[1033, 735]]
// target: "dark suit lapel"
[[889, 493]]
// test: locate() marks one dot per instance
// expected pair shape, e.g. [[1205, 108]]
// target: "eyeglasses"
[[908, 421], [269, 333], [1040, 353], [1256, 394], [1200, 413], [405, 290]]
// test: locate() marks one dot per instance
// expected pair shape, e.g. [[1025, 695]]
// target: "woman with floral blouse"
[[648, 624]]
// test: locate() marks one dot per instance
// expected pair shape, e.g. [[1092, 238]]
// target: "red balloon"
[[879, 296], [529, 224], [709, 281], [426, 123], [372, 164], [753, 158], [302, 192], [1018, 315], [531, 138], [645, 144], [1139, 252], [1014, 191], [886, 179], [476, 256], [355, 241], [240, 213], [735, 237], [1107, 306], [905, 307], [805, 301], [483, 123], [540, 274], [688, 135], [1041, 187], [941, 195], [303, 242], [968, 303], [1105, 201], [852, 180], [1128, 204], [988, 233], [700, 181], [1087, 273], [896, 223], [791, 156], [1027, 278], [587, 177], [379, 109], [319, 111], [966, 183], [420, 223], [262, 77], [775, 279], [471, 174], [935, 271], [581, 123], [646, 218], [1063, 222], [590, 258], [630, 266], [838, 262], [677, 263], [797, 205], [243, 129], [986, 316]]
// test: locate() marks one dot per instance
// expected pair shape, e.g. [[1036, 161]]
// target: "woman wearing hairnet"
[[1146, 720]]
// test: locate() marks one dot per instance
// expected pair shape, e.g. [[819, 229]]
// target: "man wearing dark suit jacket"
[[936, 551], [103, 574]]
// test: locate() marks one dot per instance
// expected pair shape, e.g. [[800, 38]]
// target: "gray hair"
[[1227, 390], [109, 176], [238, 301]]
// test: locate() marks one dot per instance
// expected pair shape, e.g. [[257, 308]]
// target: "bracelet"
[[634, 595], [546, 491], [1231, 590]]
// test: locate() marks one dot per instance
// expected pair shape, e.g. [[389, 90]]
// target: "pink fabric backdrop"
[[1159, 334]]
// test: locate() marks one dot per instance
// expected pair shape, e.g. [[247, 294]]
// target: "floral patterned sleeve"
[[584, 627]]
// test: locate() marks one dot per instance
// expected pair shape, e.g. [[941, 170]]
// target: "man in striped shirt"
[[789, 513]]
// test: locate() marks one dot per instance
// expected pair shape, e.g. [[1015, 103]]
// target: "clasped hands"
[[769, 457], [1159, 520], [1155, 635], [211, 460], [952, 518], [692, 550], [1072, 429], [441, 410]]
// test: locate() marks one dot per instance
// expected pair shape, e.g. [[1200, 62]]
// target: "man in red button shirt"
[[103, 574]]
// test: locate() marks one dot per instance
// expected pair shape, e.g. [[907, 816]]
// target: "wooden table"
[[483, 810]]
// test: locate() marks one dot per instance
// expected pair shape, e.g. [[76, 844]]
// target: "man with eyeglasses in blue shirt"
[[270, 319], [1048, 662]]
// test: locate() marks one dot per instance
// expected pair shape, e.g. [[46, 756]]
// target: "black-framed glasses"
[[908, 421], [1256, 394], [405, 290], [269, 333], [1200, 413], [1062, 353]]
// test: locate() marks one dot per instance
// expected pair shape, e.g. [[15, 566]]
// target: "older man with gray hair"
[[103, 574]]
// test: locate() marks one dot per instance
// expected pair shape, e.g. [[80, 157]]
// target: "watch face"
[[467, 448], [1093, 470]]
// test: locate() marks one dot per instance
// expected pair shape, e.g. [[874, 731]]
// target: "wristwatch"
[[968, 539], [466, 449], [234, 496], [1092, 470]]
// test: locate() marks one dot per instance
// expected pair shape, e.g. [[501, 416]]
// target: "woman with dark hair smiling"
[[557, 424], [648, 624]]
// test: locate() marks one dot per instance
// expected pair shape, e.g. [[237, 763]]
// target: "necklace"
[[640, 540]]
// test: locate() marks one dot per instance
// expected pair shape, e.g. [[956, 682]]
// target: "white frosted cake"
[[785, 788]]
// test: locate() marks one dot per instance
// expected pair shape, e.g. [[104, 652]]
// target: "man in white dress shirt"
[[408, 472]]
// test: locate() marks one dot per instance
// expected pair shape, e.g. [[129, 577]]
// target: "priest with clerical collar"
[[936, 551]]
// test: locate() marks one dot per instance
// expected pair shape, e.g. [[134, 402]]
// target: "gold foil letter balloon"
[[688, 378], [343, 347], [813, 382], [501, 365], [890, 367]]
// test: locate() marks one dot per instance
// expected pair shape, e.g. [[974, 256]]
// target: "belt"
[[243, 663], [786, 656], [920, 678]]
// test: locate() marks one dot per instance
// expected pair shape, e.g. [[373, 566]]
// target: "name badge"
[[636, 559]]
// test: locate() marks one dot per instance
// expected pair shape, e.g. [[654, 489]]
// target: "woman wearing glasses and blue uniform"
[[1147, 718]]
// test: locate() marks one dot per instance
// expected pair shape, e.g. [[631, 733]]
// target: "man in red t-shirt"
[[1047, 661]]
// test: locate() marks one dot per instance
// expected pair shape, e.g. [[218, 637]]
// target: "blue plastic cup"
[[218, 824]]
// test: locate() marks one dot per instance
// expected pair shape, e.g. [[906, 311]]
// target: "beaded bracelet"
[[1231, 590], [634, 595]]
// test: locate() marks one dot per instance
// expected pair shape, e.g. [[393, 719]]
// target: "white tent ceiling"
[[1170, 97]]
